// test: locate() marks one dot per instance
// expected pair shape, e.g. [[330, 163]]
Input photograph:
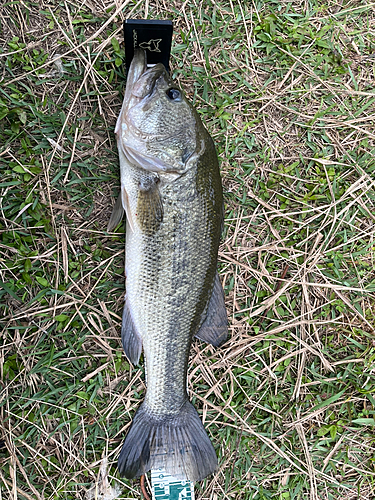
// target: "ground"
[[286, 89]]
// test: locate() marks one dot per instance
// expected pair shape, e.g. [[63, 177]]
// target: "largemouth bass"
[[172, 195]]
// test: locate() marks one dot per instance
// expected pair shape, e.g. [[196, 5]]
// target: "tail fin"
[[179, 444]]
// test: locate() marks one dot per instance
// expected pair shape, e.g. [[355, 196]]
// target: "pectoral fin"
[[149, 206], [214, 329], [116, 215], [131, 340]]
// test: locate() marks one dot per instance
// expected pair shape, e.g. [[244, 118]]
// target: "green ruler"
[[167, 487]]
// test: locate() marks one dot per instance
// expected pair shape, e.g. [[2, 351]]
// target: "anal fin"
[[131, 340], [214, 329]]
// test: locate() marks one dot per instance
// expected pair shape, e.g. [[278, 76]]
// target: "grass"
[[286, 90]]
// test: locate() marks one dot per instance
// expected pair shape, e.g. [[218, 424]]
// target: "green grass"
[[286, 90]]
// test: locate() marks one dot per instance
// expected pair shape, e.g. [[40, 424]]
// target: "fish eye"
[[173, 94]]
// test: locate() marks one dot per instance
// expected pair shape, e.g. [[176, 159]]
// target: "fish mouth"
[[147, 81], [140, 82], [142, 79], [142, 92]]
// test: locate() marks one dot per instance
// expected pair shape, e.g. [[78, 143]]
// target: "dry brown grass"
[[296, 141]]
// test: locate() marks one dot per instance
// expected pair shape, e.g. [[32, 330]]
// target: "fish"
[[171, 192]]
